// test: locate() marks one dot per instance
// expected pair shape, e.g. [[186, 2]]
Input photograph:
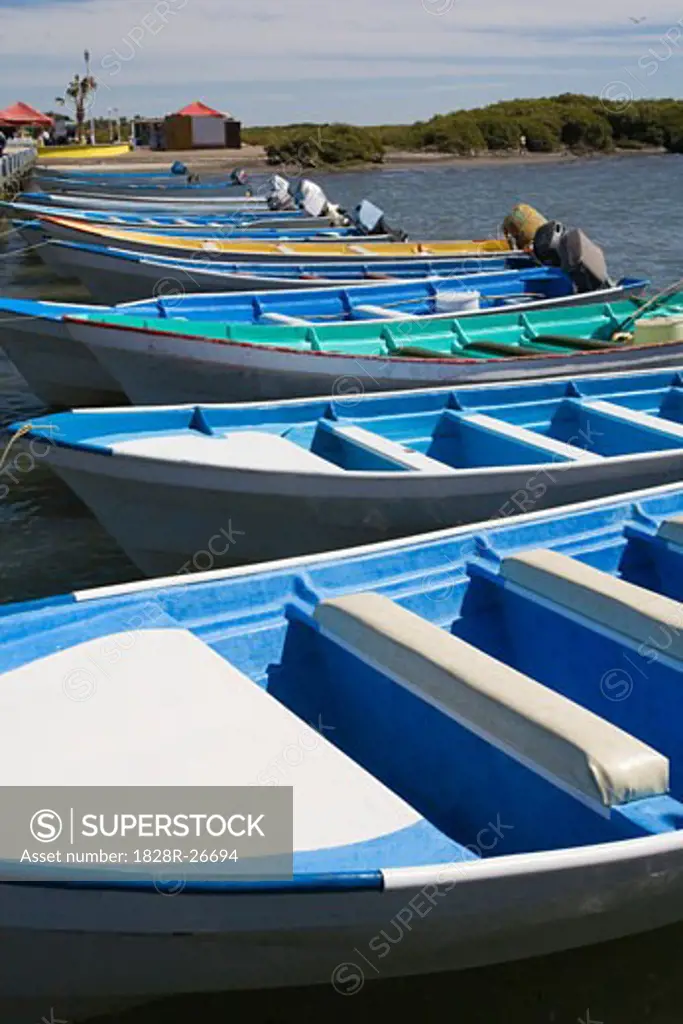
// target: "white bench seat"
[[541, 442], [282, 318], [407, 458], [635, 417], [672, 530], [623, 607], [381, 312], [244, 449], [572, 747]]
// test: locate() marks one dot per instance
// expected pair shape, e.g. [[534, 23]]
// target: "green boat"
[[170, 360]]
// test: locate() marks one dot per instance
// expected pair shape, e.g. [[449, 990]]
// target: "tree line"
[[569, 122]]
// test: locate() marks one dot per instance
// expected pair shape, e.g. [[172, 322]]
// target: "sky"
[[361, 61]]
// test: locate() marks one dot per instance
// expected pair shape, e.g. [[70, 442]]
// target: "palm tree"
[[78, 92]]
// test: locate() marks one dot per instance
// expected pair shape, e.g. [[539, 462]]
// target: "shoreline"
[[254, 158]]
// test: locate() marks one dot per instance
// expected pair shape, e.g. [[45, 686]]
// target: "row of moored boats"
[[481, 706]]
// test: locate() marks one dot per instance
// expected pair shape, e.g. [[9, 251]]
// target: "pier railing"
[[15, 164]]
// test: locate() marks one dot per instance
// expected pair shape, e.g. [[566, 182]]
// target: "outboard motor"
[[370, 220], [584, 261], [547, 243], [311, 198], [279, 196], [573, 251]]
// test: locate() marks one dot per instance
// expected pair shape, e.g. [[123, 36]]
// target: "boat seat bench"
[[381, 312], [634, 418], [383, 447], [555, 449], [282, 318], [570, 746], [671, 530], [620, 606], [515, 443]]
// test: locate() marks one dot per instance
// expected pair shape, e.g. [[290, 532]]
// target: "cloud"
[[150, 53]]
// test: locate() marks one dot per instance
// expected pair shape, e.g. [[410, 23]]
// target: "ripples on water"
[[49, 543]]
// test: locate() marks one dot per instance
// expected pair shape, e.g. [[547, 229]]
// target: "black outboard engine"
[[573, 251], [370, 219], [547, 243], [584, 261]]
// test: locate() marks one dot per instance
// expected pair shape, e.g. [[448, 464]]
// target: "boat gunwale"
[[334, 481]]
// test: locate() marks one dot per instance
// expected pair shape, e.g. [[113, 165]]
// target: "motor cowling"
[[584, 261], [311, 198], [547, 243], [279, 196], [575, 253], [370, 220]]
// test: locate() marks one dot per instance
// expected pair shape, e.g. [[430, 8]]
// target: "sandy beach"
[[254, 158]]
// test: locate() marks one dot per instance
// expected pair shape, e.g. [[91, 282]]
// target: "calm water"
[[49, 543]]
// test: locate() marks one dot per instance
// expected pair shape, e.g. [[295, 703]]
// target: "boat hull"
[[174, 517], [77, 951], [111, 279], [61, 372], [154, 368]]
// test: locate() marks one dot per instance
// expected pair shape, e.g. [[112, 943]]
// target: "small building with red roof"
[[198, 126]]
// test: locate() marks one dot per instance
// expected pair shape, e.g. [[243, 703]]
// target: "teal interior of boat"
[[482, 336]]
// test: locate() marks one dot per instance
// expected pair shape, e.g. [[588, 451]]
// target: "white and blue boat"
[[301, 476], [263, 218], [112, 274], [180, 203], [481, 728], [64, 372], [80, 229], [133, 185]]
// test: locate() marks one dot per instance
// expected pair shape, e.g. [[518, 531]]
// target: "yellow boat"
[[240, 250], [76, 151]]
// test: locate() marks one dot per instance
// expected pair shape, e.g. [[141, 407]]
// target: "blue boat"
[[301, 476], [481, 729], [225, 231], [157, 219], [134, 185], [63, 372], [118, 275]]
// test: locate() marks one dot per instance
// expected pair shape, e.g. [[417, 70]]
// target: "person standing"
[[3, 142]]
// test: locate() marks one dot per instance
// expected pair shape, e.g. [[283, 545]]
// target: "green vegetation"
[[561, 123]]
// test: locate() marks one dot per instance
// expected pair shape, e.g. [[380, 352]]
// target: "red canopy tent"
[[198, 109], [21, 114]]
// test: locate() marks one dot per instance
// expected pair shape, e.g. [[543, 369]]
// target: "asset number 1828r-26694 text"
[[184, 856]]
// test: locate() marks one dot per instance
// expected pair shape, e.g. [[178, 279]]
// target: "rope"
[[650, 304], [26, 249], [27, 427]]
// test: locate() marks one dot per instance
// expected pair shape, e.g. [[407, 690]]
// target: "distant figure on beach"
[[522, 145]]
